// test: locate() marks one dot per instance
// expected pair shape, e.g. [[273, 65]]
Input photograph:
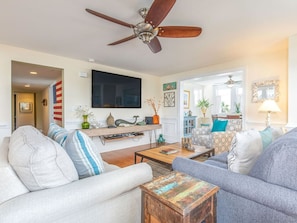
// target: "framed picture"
[[26, 107], [187, 99], [169, 99]]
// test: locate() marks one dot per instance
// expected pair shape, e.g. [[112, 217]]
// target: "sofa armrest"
[[273, 196], [58, 202]]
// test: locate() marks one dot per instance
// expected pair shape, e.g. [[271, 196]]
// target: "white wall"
[[292, 82], [77, 90]]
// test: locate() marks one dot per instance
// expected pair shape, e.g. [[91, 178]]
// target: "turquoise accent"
[[166, 188], [219, 125], [266, 136]]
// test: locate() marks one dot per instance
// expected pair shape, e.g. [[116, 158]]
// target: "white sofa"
[[111, 197]]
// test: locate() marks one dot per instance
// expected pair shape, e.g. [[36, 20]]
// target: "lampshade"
[[269, 106]]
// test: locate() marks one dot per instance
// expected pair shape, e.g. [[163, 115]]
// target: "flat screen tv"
[[115, 91]]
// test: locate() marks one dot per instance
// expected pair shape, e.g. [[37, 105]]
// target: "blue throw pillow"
[[266, 136], [219, 125]]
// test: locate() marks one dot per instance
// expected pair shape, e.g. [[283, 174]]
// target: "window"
[[227, 100]]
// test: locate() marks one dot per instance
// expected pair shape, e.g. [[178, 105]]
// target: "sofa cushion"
[[39, 161], [219, 125], [83, 152], [10, 185], [245, 148], [270, 165]]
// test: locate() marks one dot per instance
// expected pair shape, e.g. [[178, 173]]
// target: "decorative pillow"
[[269, 134], [219, 125], [82, 151], [245, 148], [57, 133], [39, 161]]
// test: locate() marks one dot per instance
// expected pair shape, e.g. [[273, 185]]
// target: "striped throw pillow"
[[82, 151]]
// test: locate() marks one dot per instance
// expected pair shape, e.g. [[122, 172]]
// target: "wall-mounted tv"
[[115, 91]]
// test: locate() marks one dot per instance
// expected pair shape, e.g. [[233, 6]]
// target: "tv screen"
[[115, 91]]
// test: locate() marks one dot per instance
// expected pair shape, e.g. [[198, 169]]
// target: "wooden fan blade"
[[108, 18], [122, 40], [155, 45], [179, 31], [158, 11]]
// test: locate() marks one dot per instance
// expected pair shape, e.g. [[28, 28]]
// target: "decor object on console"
[[110, 120], [81, 200], [122, 122], [269, 106], [85, 113], [156, 106], [266, 194], [85, 124]]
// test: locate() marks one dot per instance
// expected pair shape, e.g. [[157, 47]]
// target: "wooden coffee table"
[[154, 154]]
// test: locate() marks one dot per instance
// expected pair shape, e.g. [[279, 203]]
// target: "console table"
[[121, 133]]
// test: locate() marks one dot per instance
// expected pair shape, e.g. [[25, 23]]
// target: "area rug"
[[159, 169], [164, 169]]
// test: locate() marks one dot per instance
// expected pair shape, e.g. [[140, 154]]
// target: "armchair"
[[221, 141]]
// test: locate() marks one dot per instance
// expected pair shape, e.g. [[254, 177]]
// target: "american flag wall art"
[[57, 101]]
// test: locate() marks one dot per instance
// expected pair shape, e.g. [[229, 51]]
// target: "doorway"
[[218, 91], [32, 99]]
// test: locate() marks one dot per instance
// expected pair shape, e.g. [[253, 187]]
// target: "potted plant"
[[237, 107], [224, 107], [203, 104]]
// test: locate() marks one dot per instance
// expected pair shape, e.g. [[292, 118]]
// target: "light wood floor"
[[123, 157]]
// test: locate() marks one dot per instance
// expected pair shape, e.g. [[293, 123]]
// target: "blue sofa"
[[268, 193]]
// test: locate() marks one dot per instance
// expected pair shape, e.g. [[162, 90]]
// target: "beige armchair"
[[221, 141]]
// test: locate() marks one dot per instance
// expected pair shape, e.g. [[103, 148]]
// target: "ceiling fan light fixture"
[[146, 37], [230, 83]]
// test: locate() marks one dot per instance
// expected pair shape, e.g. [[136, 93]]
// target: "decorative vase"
[[156, 119], [110, 120], [85, 124]]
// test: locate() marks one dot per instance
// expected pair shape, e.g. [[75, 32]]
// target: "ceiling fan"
[[149, 29], [230, 83]]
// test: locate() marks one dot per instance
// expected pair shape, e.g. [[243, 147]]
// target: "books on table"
[[168, 151]]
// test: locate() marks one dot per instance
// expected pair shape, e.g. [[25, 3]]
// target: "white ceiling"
[[231, 29]]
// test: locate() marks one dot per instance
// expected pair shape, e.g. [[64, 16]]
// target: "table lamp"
[[269, 106]]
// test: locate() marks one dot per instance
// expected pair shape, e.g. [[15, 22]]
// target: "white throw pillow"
[[245, 148], [39, 161], [83, 152]]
